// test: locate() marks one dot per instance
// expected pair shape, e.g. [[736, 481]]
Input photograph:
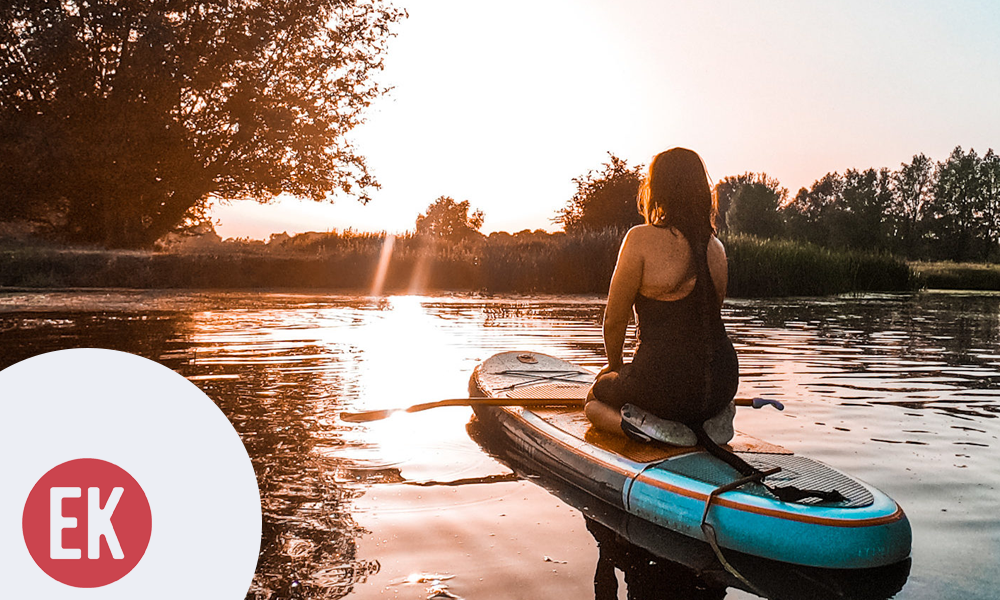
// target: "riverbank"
[[501, 263], [958, 276]]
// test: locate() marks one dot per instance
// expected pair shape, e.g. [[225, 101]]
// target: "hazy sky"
[[503, 104]]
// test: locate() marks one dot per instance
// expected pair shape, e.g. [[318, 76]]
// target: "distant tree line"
[[949, 210]]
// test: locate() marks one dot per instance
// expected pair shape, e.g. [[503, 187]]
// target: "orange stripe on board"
[[770, 512]]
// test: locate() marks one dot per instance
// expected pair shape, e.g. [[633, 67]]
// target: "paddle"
[[377, 415]]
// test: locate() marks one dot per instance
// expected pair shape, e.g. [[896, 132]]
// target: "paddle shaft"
[[378, 415]]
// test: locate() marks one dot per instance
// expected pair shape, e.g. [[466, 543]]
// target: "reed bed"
[[775, 267], [558, 263], [958, 276]]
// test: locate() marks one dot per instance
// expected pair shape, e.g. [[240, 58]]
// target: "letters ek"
[[87, 523]]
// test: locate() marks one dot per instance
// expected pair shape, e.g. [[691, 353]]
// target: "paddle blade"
[[367, 415], [762, 402], [759, 403]]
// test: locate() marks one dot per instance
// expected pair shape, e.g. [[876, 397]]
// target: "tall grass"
[[524, 263], [764, 268], [560, 263], [958, 276]]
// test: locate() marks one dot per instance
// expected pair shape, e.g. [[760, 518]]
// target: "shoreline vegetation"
[[958, 276], [526, 262]]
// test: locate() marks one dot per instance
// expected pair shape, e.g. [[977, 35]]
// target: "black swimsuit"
[[668, 374]]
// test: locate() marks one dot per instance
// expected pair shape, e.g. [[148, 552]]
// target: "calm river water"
[[901, 391]]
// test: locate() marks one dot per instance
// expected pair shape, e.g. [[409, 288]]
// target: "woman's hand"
[[608, 369]]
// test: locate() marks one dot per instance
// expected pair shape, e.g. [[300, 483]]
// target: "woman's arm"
[[624, 287], [718, 266]]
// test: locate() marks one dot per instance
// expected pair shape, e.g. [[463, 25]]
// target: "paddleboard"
[[670, 486]]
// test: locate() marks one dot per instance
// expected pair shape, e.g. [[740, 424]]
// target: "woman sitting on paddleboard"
[[672, 270]]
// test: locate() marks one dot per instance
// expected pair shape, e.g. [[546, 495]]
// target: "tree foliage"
[[450, 220], [749, 203], [949, 210], [725, 190], [119, 120], [844, 211], [963, 214], [913, 185], [857, 216], [807, 215], [604, 198]]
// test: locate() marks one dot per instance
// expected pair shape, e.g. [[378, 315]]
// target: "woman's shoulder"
[[638, 230], [715, 246], [656, 243], [643, 234], [652, 232], [636, 236]]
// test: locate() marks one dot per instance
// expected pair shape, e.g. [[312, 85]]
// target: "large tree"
[[749, 203], [807, 216], [119, 120], [605, 198], [450, 220], [858, 217], [961, 221], [913, 185]]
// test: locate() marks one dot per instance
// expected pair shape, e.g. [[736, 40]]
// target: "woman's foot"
[[644, 426], [720, 427]]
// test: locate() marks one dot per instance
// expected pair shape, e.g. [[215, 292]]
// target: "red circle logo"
[[87, 523]]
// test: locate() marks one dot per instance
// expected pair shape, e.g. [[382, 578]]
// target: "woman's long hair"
[[677, 193]]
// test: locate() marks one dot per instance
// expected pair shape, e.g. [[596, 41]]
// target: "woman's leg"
[[603, 413], [603, 416], [604, 410]]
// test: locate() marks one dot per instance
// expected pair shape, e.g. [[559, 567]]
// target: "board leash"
[[751, 474], [709, 531], [788, 493]]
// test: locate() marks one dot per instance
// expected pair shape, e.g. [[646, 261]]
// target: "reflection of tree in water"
[[148, 334], [279, 406], [952, 324], [953, 337], [284, 411], [647, 576]]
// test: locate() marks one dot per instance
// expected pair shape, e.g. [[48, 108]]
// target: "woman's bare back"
[[667, 266]]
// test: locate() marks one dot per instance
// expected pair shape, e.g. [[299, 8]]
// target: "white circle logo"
[[121, 475]]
